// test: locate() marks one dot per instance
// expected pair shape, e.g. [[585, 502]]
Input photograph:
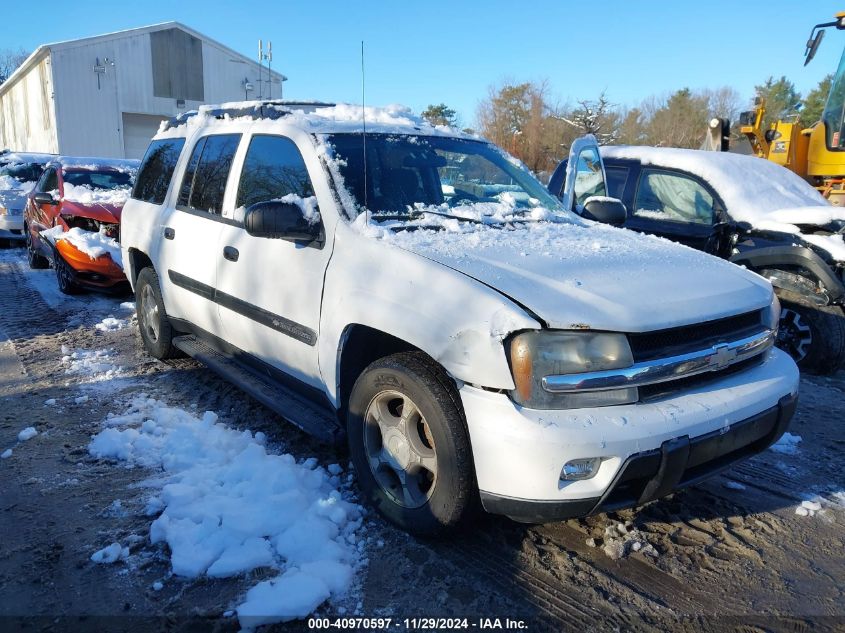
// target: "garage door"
[[138, 129]]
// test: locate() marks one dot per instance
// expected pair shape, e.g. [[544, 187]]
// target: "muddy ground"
[[731, 554]]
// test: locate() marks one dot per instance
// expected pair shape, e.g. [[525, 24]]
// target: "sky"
[[452, 52]]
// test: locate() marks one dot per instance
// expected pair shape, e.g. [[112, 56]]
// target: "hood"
[[109, 213], [13, 199], [593, 276]]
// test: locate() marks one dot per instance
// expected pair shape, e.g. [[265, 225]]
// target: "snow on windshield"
[[86, 194]]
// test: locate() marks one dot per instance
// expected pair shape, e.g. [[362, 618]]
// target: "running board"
[[308, 416]]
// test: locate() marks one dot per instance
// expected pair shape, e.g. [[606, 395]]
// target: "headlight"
[[537, 354], [772, 314]]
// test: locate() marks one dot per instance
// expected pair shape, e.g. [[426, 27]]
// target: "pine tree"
[[814, 102], [440, 114]]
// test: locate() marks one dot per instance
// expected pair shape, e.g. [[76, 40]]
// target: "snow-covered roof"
[[42, 51], [314, 117], [26, 157], [751, 188], [96, 162]]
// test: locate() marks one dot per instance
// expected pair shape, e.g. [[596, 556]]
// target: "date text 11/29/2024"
[[416, 624]]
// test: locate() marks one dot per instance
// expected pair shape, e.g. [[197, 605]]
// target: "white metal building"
[[106, 95]]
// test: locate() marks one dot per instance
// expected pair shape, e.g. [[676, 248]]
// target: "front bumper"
[[11, 227], [647, 449], [101, 273]]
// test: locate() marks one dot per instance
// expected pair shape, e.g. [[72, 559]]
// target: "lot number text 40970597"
[[417, 624]]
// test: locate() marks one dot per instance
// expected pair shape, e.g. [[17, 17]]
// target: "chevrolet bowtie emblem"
[[721, 357]]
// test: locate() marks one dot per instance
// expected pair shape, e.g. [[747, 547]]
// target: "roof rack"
[[263, 109]]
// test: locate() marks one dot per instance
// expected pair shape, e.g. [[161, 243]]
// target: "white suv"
[[418, 293]]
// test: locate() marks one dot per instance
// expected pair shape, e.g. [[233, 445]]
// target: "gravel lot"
[[732, 553]]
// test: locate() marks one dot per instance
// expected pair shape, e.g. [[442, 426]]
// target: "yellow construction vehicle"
[[816, 153]]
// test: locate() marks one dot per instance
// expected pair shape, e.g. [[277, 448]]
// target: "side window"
[[589, 180], [157, 170], [205, 178], [273, 169], [617, 178], [49, 181], [672, 197]]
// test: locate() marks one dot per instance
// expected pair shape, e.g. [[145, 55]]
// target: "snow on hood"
[[751, 188], [7, 183], [83, 194], [588, 275], [92, 244]]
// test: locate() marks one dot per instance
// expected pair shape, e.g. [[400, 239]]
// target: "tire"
[[433, 451], [156, 331], [814, 337], [35, 260], [64, 276]]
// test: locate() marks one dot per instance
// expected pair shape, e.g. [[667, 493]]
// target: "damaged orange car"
[[72, 222]]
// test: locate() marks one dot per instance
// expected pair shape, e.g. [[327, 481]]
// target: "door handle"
[[169, 233], [231, 253]]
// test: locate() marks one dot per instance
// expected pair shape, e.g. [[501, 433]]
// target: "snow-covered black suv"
[[418, 293], [751, 212]]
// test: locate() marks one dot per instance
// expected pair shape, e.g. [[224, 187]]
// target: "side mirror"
[[282, 220], [43, 197], [607, 210]]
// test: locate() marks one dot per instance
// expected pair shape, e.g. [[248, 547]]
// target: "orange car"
[[72, 222]]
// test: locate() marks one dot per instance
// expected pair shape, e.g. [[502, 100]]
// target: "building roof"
[[42, 51]]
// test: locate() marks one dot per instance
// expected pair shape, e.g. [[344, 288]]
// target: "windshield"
[[410, 175], [834, 110], [23, 172], [102, 180]]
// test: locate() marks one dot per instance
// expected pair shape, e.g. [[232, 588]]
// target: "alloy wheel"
[[149, 313], [400, 449], [794, 334]]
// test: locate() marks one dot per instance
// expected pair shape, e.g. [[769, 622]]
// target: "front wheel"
[[813, 336], [409, 444], [65, 276], [34, 258], [156, 331]]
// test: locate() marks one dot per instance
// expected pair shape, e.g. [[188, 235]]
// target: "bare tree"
[[9, 61], [598, 118]]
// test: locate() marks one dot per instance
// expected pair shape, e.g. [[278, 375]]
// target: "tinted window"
[[273, 169], [617, 178], [157, 170], [190, 170], [212, 163], [672, 197]]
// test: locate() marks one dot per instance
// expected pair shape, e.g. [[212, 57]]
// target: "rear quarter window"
[[157, 170]]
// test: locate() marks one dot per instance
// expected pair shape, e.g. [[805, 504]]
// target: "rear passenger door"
[[674, 205], [271, 289], [192, 230]]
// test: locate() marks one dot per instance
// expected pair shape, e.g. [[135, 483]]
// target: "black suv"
[[751, 212]]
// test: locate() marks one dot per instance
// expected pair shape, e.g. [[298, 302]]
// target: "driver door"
[[585, 175]]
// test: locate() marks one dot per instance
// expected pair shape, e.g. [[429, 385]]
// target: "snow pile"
[[83, 194], [227, 506], [27, 434], [110, 554], [96, 364], [308, 206], [112, 324], [623, 539], [808, 508], [92, 244], [787, 444], [733, 485], [6, 454], [8, 183]]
